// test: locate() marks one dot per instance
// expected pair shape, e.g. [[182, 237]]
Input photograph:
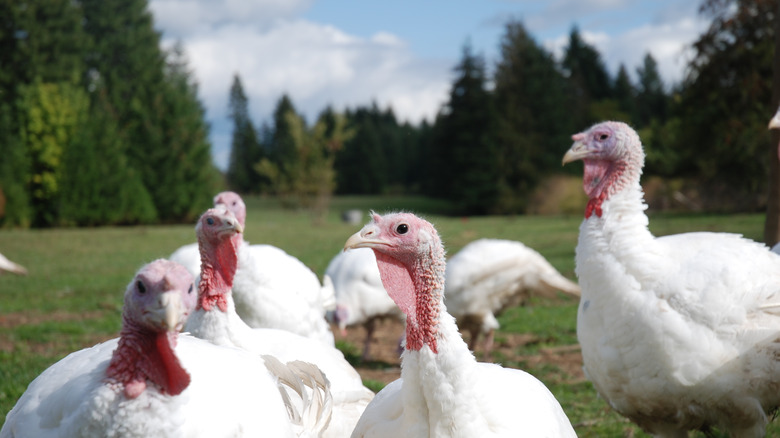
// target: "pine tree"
[[41, 60], [463, 139], [39, 40], [127, 65], [183, 168], [98, 185], [14, 174], [245, 149], [625, 95], [361, 167], [587, 77], [282, 147], [534, 116], [651, 97]]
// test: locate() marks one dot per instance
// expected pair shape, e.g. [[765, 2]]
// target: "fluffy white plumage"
[[217, 321], [229, 391], [271, 288], [679, 332], [443, 390], [360, 297], [9, 266], [490, 275]]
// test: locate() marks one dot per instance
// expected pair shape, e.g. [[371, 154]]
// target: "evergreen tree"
[[126, 63], [587, 77], [464, 140], [724, 103], [184, 167], [282, 147], [14, 174], [651, 97], [98, 186], [41, 39], [245, 150], [625, 95], [361, 167], [41, 57], [534, 116]]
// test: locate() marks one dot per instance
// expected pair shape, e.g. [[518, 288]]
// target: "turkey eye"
[[210, 221], [603, 137], [402, 229], [140, 285], [190, 290]]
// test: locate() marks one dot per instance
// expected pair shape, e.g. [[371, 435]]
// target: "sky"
[[399, 53]]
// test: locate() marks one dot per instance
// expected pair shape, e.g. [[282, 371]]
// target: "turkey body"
[[488, 276], [230, 395], [269, 290], [678, 332]]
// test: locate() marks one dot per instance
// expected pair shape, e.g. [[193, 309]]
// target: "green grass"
[[73, 295]]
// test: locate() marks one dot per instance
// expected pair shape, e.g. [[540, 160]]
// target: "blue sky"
[[398, 53]]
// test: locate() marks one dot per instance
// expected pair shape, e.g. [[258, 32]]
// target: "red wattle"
[[175, 378]]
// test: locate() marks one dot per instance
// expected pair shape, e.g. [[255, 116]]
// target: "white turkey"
[[150, 381], [443, 391], [215, 319], [360, 297], [9, 266], [271, 289], [678, 332], [488, 276]]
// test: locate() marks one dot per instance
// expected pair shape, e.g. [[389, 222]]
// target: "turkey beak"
[[171, 307], [578, 150], [365, 238], [232, 225], [775, 122]]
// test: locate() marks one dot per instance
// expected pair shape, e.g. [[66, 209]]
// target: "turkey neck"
[[220, 326], [622, 228], [219, 261], [437, 365]]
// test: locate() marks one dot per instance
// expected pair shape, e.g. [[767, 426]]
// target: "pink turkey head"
[[233, 202], [613, 157], [410, 258], [160, 297], [157, 304]]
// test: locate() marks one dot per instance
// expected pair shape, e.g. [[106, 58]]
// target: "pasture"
[[72, 297]]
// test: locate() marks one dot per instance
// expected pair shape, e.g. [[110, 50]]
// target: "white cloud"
[[181, 18], [669, 44], [316, 65]]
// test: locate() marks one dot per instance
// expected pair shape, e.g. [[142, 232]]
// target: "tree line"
[[504, 129], [101, 126]]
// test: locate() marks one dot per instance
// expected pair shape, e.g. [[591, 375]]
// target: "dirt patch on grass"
[[384, 362]]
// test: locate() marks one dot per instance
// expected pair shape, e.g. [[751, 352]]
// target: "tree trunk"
[[772, 223]]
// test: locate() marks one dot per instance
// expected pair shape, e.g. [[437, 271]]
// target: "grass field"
[[73, 295]]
